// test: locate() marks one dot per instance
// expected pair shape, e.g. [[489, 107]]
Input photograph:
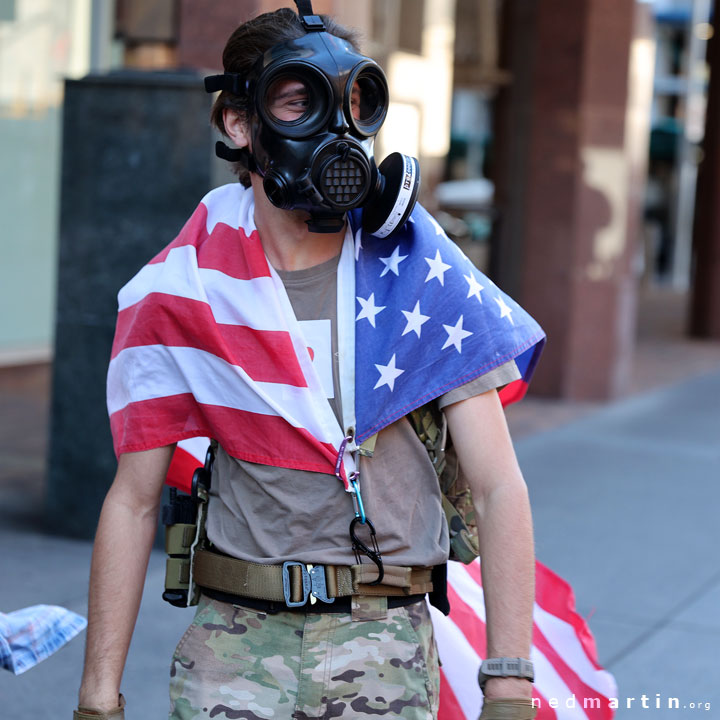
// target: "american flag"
[[569, 682], [207, 343]]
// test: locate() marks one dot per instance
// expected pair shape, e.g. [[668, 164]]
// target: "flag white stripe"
[[346, 329], [230, 205], [460, 663], [551, 685], [465, 586], [177, 275], [174, 370], [195, 446], [563, 638], [252, 303]]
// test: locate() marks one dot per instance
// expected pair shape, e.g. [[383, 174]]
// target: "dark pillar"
[[563, 244], [705, 299], [136, 161]]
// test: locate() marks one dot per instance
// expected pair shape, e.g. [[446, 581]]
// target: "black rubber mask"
[[316, 107]]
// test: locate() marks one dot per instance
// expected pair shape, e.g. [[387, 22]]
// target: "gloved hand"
[[508, 709], [85, 713]]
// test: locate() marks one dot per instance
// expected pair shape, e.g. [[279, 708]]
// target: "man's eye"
[[288, 100]]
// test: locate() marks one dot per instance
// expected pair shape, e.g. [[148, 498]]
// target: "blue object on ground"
[[32, 634]]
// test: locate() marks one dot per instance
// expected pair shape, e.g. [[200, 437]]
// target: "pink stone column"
[[566, 189]]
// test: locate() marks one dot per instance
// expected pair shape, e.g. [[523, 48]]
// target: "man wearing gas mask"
[[297, 319]]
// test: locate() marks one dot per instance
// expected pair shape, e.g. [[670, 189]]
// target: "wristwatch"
[[505, 667]]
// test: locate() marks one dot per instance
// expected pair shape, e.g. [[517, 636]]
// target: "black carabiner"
[[360, 547]]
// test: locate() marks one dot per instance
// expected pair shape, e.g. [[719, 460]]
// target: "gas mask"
[[315, 108]]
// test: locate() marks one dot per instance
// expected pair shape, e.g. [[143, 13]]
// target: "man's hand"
[[508, 699], [117, 712], [508, 708]]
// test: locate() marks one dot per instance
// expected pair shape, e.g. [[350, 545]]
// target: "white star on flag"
[[391, 263], [415, 320], [475, 288], [456, 335], [504, 310], [388, 374], [437, 268], [369, 309]]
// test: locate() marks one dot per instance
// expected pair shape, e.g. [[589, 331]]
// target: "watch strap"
[[505, 667]]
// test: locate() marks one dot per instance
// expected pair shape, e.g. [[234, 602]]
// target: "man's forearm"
[[479, 431], [508, 569], [122, 547]]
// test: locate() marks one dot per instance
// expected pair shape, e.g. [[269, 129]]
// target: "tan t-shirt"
[[267, 514]]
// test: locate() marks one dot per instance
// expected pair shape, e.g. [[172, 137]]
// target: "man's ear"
[[236, 127]]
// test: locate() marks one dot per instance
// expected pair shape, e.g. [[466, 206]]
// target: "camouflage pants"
[[236, 662]]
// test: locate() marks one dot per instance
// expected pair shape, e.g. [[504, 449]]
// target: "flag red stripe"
[[266, 439], [574, 682], [216, 251], [513, 392], [555, 596], [468, 621], [266, 355], [474, 570], [182, 467], [449, 707]]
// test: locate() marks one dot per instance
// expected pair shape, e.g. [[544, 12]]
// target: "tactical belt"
[[294, 583]]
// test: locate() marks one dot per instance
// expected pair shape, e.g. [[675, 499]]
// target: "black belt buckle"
[[313, 582]]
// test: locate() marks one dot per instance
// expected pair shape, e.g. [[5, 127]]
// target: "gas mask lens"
[[368, 100]]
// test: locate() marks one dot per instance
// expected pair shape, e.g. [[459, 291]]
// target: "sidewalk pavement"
[[625, 500]]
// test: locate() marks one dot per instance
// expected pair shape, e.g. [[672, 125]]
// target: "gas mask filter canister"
[[315, 108]]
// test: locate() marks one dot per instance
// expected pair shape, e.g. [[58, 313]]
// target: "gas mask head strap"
[[238, 85], [232, 82], [310, 21]]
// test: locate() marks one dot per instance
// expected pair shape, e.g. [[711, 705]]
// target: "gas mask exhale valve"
[[316, 105]]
